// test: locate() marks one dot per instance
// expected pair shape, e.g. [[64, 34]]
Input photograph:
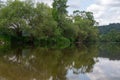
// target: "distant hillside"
[[107, 28]]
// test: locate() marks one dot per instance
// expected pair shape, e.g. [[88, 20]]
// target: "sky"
[[105, 11]]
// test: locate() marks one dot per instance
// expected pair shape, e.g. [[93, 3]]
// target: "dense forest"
[[37, 23], [107, 28], [110, 33], [30, 22]]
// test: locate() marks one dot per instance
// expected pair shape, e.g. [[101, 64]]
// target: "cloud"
[[105, 69], [73, 5], [106, 11]]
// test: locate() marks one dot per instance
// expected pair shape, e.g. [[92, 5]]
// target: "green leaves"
[[39, 21], [111, 36], [59, 11], [86, 24]]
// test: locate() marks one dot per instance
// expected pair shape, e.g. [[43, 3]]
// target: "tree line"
[[110, 33], [30, 22]]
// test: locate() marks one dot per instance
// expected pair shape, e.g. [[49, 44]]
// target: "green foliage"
[[59, 12], [43, 24], [14, 16], [86, 24], [59, 9], [4, 40], [110, 33], [31, 22], [70, 30], [107, 28], [112, 36]]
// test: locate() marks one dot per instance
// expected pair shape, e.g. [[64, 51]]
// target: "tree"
[[59, 11], [43, 24], [70, 30], [111, 36], [25, 20], [86, 23], [22, 19], [14, 17]]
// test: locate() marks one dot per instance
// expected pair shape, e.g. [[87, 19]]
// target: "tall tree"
[[59, 11], [43, 24], [14, 17], [86, 23]]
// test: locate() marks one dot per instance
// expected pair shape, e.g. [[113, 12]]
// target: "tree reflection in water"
[[47, 63]]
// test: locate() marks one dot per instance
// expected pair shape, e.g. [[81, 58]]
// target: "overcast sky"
[[105, 11]]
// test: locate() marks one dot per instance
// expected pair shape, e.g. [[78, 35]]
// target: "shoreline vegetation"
[[27, 22]]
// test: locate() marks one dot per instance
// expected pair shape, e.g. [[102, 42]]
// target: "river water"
[[84, 62]]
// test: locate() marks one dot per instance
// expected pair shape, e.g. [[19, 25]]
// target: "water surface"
[[91, 62]]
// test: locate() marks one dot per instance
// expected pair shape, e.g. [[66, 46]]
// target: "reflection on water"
[[94, 62], [106, 69]]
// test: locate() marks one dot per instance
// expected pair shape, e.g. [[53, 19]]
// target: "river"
[[84, 62]]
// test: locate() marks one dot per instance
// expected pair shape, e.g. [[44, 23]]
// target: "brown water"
[[91, 62]]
